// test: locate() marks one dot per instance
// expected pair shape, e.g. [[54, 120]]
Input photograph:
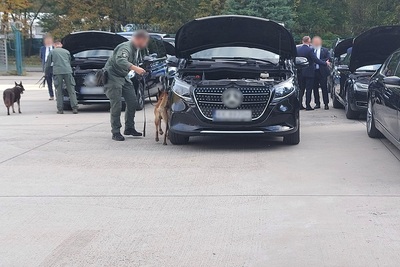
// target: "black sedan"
[[383, 116], [242, 82], [340, 70], [90, 51], [368, 52]]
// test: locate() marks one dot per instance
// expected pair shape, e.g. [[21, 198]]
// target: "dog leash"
[[42, 82], [144, 111]]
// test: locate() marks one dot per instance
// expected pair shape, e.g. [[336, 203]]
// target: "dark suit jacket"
[[43, 56], [324, 56], [308, 52]]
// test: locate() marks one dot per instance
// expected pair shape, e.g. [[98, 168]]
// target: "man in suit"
[[321, 73], [308, 74], [44, 54]]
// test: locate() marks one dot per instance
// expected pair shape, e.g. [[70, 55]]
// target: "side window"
[[157, 46], [391, 67], [397, 73]]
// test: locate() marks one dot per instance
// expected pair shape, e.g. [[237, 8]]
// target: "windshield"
[[94, 53], [237, 52], [370, 68]]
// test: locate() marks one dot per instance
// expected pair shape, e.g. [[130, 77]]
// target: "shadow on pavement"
[[236, 142]]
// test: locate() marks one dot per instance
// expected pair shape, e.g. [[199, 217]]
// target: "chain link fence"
[[18, 54]]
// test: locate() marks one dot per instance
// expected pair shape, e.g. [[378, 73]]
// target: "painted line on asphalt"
[[48, 142], [196, 196]]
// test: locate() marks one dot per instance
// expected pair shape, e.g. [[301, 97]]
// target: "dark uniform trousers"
[[320, 80], [115, 89], [68, 79]]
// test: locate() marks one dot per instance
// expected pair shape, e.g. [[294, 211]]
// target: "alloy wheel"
[[370, 116]]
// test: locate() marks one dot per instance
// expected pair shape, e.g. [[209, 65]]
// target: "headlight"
[[182, 89], [284, 89], [361, 86]]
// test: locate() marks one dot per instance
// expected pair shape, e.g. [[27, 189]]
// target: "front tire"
[[178, 139], [350, 114], [292, 139], [372, 131], [336, 103]]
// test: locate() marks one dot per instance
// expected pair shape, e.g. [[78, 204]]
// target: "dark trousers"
[[302, 86], [306, 85], [49, 82], [320, 80], [309, 82]]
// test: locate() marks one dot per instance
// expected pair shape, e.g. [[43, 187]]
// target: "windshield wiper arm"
[[248, 59]]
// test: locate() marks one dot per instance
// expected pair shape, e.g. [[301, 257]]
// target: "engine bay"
[[228, 76]]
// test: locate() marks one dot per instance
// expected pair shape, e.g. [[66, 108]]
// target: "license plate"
[[232, 115], [92, 90]]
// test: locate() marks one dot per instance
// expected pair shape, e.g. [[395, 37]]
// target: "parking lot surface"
[[70, 196]]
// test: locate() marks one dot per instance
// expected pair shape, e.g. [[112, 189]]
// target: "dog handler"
[[117, 84], [62, 71]]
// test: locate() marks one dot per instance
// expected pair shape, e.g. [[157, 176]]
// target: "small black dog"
[[10, 96]]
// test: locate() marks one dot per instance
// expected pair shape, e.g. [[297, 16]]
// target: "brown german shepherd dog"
[[10, 96], [161, 113]]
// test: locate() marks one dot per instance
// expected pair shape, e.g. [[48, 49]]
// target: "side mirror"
[[169, 49], [343, 68], [301, 62], [392, 80]]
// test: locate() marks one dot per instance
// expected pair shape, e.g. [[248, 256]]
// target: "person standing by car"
[[321, 73], [45, 50], [125, 58], [60, 59], [308, 74]]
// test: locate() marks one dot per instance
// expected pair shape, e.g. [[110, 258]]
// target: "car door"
[[389, 98], [396, 91]]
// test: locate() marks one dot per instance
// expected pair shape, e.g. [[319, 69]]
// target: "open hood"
[[342, 47], [224, 31], [91, 40], [374, 46]]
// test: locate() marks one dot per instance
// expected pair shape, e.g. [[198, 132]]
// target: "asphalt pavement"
[[70, 196]]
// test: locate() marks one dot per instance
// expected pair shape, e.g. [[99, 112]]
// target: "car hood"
[[224, 31], [374, 46], [342, 47], [91, 40]]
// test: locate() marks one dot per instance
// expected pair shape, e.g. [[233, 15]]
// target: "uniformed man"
[[124, 60], [62, 71]]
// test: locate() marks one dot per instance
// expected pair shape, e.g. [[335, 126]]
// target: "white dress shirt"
[[318, 54], [48, 50]]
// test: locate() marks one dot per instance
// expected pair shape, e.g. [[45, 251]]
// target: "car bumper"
[[359, 100], [274, 122]]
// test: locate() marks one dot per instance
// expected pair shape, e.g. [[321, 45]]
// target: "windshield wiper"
[[247, 59], [203, 59]]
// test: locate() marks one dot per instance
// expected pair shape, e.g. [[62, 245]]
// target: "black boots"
[[132, 132], [118, 137]]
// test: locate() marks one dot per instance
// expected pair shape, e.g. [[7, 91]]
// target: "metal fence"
[[3, 55], [12, 52], [18, 54]]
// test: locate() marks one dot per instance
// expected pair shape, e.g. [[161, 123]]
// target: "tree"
[[210, 8], [76, 15], [278, 10]]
